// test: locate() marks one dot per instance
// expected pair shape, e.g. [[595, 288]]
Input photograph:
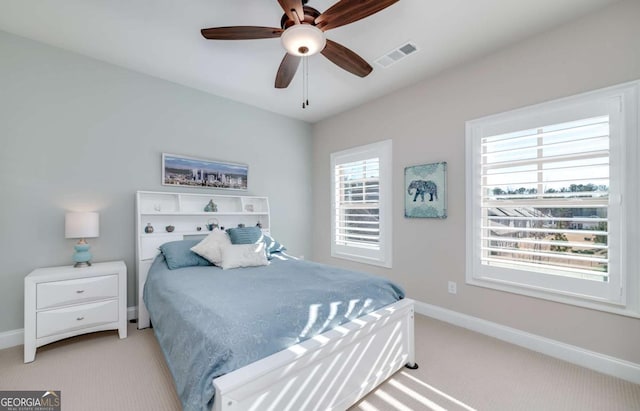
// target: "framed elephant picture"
[[425, 191]]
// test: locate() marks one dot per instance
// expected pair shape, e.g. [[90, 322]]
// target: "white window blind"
[[361, 204], [357, 204], [552, 200], [545, 199]]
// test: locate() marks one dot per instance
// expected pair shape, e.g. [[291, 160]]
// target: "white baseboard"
[[16, 337], [589, 359], [132, 313], [11, 338]]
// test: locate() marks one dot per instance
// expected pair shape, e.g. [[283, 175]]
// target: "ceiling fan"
[[302, 34]]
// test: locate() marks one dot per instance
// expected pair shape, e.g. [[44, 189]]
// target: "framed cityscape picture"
[[197, 172], [425, 191]]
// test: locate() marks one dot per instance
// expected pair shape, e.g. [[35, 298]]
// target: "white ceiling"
[[162, 38]]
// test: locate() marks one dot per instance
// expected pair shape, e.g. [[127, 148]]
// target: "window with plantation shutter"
[[550, 199], [545, 199], [358, 204], [361, 206]]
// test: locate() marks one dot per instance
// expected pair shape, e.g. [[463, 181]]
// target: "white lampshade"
[[81, 225], [303, 40]]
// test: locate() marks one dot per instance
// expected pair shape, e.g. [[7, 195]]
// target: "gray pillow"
[[178, 254]]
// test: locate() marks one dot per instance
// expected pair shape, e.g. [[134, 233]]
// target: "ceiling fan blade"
[[348, 11], [240, 33], [287, 70], [346, 59], [288, 5]]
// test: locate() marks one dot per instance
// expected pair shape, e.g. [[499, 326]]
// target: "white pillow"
[[243, 255], [211, 246]]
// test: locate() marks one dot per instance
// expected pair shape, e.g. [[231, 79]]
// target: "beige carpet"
[[459, 370]]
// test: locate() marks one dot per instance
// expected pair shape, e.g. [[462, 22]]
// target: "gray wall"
[[77, 133], [427, 124]]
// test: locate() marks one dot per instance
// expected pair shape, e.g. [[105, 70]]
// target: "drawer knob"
[[79, 291], [80, 318]]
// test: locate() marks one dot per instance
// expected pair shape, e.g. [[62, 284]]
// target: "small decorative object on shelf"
[[169, 228], [198, 228], [211, 207], [259, 224], [240, 225], [212, 223], [148, 229]]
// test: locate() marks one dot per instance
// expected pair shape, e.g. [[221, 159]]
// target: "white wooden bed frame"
[[330, 371]]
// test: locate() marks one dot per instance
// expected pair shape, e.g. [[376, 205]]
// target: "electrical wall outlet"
[[452, 287]]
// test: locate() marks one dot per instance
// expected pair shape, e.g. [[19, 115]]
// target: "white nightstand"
[[60, 302]]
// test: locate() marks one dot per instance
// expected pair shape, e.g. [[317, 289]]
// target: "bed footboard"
[[331, 371]]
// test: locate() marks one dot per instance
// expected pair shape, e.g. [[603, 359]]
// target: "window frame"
[[384, 151], [621, 294]]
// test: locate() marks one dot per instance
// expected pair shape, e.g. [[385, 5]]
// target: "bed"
[[210, 322], [300, 350]]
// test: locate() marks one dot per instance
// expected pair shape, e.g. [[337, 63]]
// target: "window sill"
[[363, 260]]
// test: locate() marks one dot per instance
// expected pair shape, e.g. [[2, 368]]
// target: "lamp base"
[[82, 256]]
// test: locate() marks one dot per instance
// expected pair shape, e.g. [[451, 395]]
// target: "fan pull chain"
[[305, 82]]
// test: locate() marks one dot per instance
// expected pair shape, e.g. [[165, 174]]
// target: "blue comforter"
[[210, 321]]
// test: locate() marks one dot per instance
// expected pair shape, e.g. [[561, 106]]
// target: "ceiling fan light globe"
[[303, 40]]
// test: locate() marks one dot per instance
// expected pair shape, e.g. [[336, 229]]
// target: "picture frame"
[[425, 191], [185, 171]]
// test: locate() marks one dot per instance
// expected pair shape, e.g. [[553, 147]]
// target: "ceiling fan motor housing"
[[310, 15]]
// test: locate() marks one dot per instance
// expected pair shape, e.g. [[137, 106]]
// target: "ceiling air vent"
[[397, 54]]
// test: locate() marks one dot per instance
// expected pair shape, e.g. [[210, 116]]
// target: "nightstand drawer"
[[77, 317], [59, 293]]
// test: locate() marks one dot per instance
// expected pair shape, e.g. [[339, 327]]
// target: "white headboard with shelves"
[[185, 212]]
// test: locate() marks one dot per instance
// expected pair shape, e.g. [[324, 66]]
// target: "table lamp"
[[81, 226]]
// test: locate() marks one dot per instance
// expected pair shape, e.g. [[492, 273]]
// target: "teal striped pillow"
[[245, 235], [273, 246]]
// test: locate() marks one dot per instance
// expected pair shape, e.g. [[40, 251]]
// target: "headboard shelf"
[[164, 233], [212, 214], [185, 212]]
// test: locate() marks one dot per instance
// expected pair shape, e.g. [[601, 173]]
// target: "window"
[[361, 204], [552, 200]]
